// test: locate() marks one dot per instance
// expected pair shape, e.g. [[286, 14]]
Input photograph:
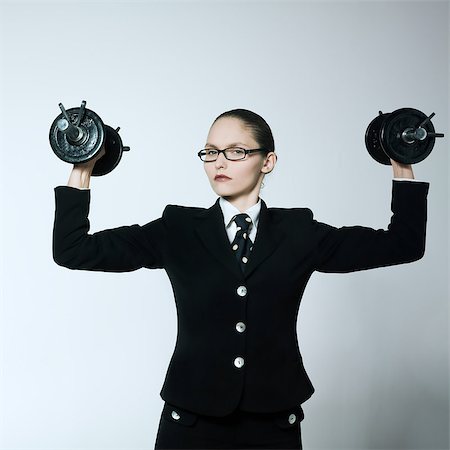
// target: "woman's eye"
[[239, 151], [211, 152]]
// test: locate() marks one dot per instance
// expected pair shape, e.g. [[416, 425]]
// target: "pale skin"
[[246, 176]]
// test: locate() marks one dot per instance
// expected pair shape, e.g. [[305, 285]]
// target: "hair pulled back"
[[257, 125]]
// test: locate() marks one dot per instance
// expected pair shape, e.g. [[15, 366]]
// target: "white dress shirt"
[[229, 211]]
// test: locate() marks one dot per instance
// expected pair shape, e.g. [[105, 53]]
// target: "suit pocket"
[[179, 415], [290, 418]]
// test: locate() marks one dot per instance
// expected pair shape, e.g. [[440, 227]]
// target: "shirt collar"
[[229, 211]]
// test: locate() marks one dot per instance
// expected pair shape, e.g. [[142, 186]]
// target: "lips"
[[222, 177]]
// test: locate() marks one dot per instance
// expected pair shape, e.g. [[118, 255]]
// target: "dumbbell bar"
[[406, 135], [77, 135]]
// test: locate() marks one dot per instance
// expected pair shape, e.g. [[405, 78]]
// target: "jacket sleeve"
[[352, 248], [119, 249]]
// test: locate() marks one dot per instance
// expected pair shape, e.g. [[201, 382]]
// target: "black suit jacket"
[[212, 294]]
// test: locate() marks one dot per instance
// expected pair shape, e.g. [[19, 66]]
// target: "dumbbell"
[[77, 135], [405, 135]]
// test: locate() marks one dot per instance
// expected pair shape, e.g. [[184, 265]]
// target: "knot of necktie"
[[243, 222]]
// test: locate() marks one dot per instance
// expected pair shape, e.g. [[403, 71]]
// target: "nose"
[[221, 160]]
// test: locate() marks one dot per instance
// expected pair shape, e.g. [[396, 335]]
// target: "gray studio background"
[[84, 354]]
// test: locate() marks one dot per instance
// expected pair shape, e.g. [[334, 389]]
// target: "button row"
[[240, 326]]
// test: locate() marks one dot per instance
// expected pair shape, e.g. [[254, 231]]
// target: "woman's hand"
[[402, 170], [81, 172]]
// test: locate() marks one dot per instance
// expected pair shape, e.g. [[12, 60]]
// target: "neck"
[[243, 202]]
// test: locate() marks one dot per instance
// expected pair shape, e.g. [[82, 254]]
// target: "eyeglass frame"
[[247, 151]]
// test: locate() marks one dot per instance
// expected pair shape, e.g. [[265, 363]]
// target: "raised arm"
[[353, 248], [119, 249]]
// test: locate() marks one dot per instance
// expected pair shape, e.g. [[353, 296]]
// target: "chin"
[[221, 192], [219, 187]]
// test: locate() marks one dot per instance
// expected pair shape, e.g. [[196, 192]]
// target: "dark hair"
[[258, 126]]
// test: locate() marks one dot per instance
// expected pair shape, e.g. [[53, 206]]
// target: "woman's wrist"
[[402, 170], [80, 177]]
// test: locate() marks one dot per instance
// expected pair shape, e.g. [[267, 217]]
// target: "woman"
[[238, 270]]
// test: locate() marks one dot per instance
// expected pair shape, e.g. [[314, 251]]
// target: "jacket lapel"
[[211, 232]]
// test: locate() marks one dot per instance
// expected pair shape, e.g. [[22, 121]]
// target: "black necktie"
[[242, 244]]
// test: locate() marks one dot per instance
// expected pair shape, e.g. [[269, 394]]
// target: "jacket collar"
[[211, 231]]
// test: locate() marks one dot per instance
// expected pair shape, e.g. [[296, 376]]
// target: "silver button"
[[242, 290], [175, 415], [292, 418], [240, 326], [239, 362]]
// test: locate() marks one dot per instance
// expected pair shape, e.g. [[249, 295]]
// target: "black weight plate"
[[113, 153], [72, 153], [372, 139], [393, 143]]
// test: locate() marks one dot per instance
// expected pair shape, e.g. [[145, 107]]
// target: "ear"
[[269, 162]]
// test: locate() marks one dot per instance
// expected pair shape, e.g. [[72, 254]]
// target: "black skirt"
[[180, 429]]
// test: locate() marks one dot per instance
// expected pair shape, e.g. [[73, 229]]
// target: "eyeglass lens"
[[230, 153]]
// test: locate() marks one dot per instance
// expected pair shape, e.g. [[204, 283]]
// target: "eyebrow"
[[234, 144]]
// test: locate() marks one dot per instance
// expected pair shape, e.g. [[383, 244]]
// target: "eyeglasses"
[[232, 153]]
